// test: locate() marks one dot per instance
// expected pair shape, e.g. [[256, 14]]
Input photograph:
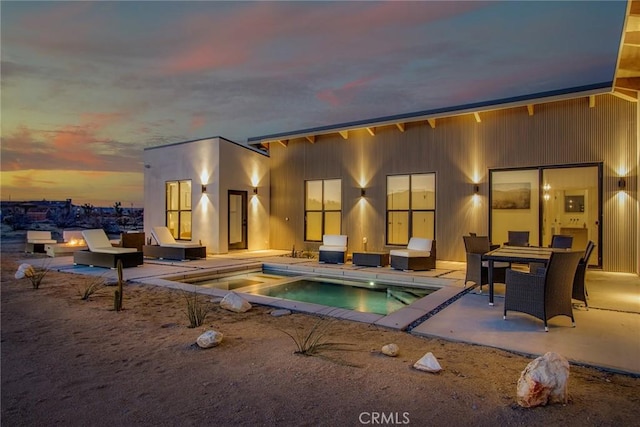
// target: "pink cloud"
[[345, 93], [198, 121]]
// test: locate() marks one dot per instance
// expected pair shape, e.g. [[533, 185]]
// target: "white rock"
[[235, 302], [428, 363], [24, 270], [390, 350], [543, 381], [209, 339], [280, 312]]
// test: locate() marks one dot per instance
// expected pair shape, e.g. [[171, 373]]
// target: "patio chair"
[[518, 238], [579, 291], [547, 293], [420, 254], [102, 254], [477, 269], [333, 249], [36, 241], [168, 248], [561, 241]]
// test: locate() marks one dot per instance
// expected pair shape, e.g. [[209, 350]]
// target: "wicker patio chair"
[[579, 284], [546, 294], [477, 269], [561, 241], [518, 238]]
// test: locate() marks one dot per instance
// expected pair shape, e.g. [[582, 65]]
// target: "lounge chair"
[[333, 249], [102, 254], [168, 248], [545, 294], [477, 268], [420, 254], [36, 241]]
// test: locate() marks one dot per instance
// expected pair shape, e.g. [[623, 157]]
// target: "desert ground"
[[67, 361]]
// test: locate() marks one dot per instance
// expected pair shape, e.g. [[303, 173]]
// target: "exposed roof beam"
[[632, 38], [311, 138], [530, 109], [477, 116], [629, 83], [400, 126], [592, 101], [344, 133], [432, 123], [372, 131], [283, 142], [626, 94]]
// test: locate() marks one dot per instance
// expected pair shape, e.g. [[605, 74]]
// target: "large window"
[[323, 208], [178, 208], [411, 207]]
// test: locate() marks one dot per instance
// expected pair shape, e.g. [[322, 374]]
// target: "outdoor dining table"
[[516, 254]]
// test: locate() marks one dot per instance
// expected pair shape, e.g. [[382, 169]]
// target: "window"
[[411, 207], [323, 208], [179, 209]]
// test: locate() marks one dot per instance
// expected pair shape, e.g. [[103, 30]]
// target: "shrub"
[[34, 274], [196, 310], [95, 285]]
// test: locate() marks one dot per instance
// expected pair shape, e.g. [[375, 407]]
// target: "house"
[[563, 162]]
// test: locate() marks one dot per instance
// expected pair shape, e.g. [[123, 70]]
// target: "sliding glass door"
[[548, 200]]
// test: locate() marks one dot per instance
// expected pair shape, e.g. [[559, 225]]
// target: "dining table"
[[516, 254]]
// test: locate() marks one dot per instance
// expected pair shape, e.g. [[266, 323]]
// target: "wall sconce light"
[[622, 183], [476, 189], [363, 192], [255, 190], [204, 188]]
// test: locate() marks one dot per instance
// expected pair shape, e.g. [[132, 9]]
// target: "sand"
[[72, 362]]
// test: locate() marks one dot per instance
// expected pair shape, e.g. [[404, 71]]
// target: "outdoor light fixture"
[[622, 183], [204, 188], [363, 192], [476, 189], [255, 190]]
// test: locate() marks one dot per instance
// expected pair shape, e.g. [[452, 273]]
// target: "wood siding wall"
[[461, 151]]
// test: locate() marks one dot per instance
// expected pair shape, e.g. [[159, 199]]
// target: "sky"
[[86, 86]]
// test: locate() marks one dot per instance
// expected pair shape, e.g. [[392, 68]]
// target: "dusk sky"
[[86, 86]]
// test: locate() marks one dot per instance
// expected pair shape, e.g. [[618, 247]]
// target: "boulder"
[[390, 350], [24, 270], [209, 339], [235, 302], [543, 381], [428, 363]]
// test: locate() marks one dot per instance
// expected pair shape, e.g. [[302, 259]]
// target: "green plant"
[[95, 285], [314, 340], [196, 311], [117, 298]]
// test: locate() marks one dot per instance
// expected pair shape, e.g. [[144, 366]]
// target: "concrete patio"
[[607, 335]]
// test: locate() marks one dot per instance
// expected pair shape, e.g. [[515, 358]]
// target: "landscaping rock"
[[209, 339], [25, 270], [543, 381], [280, 312], [235, 302], [428, 363], [390, 350]]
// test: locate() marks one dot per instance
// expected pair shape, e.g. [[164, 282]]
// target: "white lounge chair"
[[36, 241], [168, 248], [333, 249], [420, 254], [102, 254]]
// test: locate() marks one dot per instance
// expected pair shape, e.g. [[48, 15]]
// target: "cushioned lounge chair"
[[168, 248], [102, 254], [477, 268], [333, 249], [420, 254], [36, 241]]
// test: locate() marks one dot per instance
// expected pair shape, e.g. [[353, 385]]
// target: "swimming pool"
[[366, 297]]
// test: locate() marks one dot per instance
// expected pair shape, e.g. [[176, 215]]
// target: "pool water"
[[351, 295]]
